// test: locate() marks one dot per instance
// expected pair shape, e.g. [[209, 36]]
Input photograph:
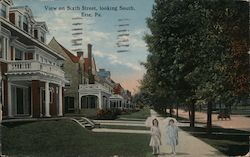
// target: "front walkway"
[[189, 146]]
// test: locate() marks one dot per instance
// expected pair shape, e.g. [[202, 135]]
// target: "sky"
[[100, 30]]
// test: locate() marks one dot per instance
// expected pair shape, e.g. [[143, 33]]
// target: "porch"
[[33, 89], [93, 96]]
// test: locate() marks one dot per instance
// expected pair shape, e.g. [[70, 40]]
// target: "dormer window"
[[25, 23], [42, 37], [4, 11]]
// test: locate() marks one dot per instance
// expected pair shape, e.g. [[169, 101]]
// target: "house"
[[85, 92], [95, 93], [74, 73], [32, 80]]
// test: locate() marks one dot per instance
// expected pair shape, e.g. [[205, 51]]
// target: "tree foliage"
[[197, 52]]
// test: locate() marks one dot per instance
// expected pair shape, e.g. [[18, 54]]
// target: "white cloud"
[[115, 60]]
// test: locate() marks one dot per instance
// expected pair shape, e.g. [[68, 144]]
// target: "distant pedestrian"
[[172, 135], [155, 140]]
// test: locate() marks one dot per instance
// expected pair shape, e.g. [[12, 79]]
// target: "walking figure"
[[155, 140], [172, 135]]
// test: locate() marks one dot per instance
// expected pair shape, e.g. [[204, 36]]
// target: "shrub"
[[106, 114]]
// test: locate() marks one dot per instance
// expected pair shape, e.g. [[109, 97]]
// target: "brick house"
[[32, 81]]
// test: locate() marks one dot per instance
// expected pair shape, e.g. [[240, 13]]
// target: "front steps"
[[86, 123]]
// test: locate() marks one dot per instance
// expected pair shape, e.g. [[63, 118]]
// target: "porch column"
[[47, 99], [108, 100], [100, 100], [35, 97], [80, 102], [60, 106], [10, 113]]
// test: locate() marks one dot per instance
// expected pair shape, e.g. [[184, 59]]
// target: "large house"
[[85, 92], [32, 80]]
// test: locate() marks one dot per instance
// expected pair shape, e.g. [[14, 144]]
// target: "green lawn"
[[125, 127], [143, 114], [64, 138], [234, 143]]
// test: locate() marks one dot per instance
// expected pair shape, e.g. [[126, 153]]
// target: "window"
[[3, 11], [36, 34], [19, 55], [28, 56], [1, 47], [42, 37], [25, 23], [19, 21]]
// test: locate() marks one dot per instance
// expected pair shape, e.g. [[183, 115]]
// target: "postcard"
[[115, 78]]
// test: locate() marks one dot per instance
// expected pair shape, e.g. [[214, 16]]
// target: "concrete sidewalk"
[[189, 146]]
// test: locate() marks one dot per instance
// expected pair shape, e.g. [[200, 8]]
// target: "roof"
[[27, 39], [74, 59]]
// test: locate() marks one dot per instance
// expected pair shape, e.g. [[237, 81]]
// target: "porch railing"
[[93, 87], [34, 66]]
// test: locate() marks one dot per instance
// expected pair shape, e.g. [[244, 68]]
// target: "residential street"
[[239, 122]]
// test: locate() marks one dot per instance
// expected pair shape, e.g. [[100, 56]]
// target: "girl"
[[172, 135], [155, 140]]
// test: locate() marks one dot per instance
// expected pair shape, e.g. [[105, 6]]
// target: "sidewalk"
[[189, 146]]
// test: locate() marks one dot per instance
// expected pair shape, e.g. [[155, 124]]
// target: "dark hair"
[[171, 120], [156, 122]]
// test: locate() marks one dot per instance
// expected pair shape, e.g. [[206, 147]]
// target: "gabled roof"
[[74, 59], [43, 25]]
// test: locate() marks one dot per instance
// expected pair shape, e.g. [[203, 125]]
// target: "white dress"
[[155, 137], [172, 135]]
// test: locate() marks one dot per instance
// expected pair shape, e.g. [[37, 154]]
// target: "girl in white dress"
[[172, 135], [155, 140]]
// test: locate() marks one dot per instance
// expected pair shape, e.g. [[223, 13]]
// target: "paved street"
[[237, 121]]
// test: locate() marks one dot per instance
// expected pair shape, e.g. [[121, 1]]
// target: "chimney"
[[91, 77], [79, 54]]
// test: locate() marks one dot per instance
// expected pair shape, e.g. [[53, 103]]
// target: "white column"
[[14, 53], [108, 100], [47, 99], [80, 102], [60, 107], [100, 100], [10, 113]]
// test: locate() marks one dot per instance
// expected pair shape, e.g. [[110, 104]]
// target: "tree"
[[192, 54]]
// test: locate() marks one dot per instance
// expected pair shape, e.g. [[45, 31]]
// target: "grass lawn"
[[64, 138], [229, 144], [142, 114], [125, 127]]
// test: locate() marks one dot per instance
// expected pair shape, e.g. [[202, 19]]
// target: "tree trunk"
[[192, 118], [189, 113], [177, 110], [209, 117], [170, 111]]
